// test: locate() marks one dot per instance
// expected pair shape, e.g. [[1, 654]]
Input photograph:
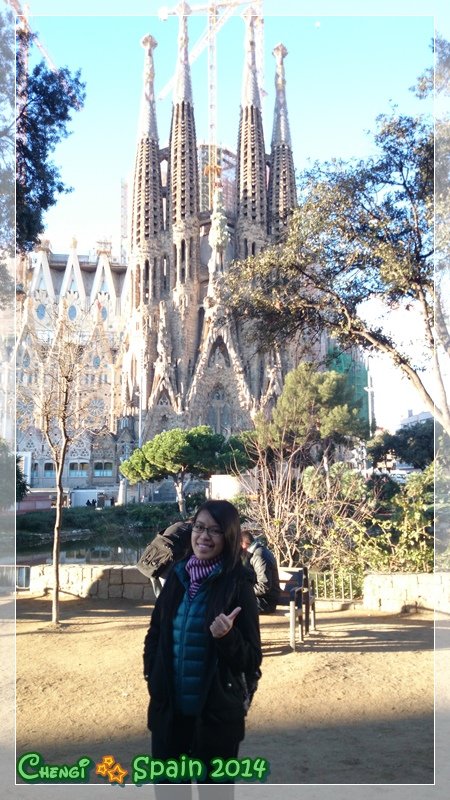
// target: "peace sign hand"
[[222, 624]]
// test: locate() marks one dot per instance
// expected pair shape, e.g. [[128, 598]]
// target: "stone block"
[[103, 589], [84, 590], [115, 590], [93, 589], [115, 575], [97, 573], [132, 591], [132, 575]]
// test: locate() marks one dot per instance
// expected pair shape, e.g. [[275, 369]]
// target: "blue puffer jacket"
[[190, 644]]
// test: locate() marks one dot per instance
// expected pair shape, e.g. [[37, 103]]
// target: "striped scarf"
[[198, 570]]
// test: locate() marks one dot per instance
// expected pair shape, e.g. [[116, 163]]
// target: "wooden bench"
[[297, 592]]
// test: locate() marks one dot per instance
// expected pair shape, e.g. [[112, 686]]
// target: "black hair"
[[227, 517], [247, 537]]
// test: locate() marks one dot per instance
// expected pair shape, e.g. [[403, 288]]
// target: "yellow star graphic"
[[117, 774], [103, 766]]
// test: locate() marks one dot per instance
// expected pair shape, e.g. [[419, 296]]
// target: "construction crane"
[[215, 22], [23, 14]]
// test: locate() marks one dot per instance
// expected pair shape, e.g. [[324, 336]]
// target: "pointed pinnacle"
[[281, 133], [147, 122], [250, 91], [183, 88]]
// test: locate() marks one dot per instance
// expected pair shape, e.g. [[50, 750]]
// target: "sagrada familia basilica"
[[169, 354]]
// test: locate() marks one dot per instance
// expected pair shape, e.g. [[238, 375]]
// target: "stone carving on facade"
[[218, 240], [163, 346], [164, 377]]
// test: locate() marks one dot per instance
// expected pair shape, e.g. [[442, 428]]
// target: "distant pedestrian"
[[264, 565], [88, 502]]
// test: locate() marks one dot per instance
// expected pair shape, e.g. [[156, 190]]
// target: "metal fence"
[[336, 585]]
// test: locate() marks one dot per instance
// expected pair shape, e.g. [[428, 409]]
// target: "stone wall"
[[94, 580], [399, 591], [391, 593]]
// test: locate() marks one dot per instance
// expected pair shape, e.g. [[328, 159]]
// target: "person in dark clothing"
[[203, 648], [264, 565]]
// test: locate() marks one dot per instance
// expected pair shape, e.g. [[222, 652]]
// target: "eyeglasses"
[[198, 527]]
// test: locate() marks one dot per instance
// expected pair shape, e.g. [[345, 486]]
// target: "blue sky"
[[347, 63], [341, 72]]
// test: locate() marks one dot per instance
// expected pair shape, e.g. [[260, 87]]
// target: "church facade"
[[169, 353]]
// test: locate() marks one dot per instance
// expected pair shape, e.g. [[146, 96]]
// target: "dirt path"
[[354, 706]]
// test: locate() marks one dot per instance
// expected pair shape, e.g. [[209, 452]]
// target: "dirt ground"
[[353, 705]]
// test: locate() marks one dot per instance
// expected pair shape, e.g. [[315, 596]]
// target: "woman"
[[203, 636]]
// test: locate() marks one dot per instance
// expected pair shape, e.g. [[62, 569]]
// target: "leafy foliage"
[[309, 518], [130, 527], [180, 452], [45, 102], [7, 475], [7, 157], [315, 412], [384, 489], [13, 485], [404, 542], [330, 517], [413, 444], [21, 484], [362, 231]]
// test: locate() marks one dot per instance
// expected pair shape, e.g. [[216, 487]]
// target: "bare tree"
[[56, 396], [305, 518]]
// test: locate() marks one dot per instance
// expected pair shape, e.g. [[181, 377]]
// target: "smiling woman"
[[203, 645]]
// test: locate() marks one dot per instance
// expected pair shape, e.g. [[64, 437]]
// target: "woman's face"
[[207, 539]]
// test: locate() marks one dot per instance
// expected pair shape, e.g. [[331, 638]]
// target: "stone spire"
[[183, 144], [282, 196], [147, 122], [250, 90], [183, 213], [251, 157], [147, 208], [182, 90]]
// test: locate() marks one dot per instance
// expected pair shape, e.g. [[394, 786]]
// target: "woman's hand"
[[222, 624]]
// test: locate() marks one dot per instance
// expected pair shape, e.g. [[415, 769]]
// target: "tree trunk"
[[57, 543], [179, 488], [326, 469]]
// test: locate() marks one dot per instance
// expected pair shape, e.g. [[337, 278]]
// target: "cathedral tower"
[[282, 196], [143, 280], [183, 215], [251, 221], [147, 206]]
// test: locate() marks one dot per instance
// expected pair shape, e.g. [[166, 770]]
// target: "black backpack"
[[168, 546]]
